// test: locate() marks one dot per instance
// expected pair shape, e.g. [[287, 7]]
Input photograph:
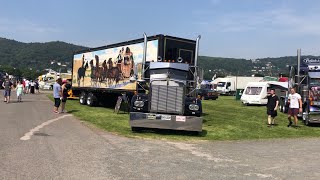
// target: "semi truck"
[[166, 96], [158, 75], [229, 84], [305, 78]]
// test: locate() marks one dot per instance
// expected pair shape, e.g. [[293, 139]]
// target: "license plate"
[[151, 116], [166, 117], [181, 118], [317, 103]]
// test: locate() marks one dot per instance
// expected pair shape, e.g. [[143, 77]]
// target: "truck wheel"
[[282, 105], [305, 118], [280, 108], [307, 123], [91, 100], [83, 98]]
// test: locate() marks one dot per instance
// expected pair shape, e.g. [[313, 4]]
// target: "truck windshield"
[[221, 84], [314, 82], [253, 90]]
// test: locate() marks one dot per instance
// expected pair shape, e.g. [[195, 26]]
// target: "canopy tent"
[[279, 85]]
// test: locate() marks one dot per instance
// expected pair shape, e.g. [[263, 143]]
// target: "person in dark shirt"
[[65, 87], [272, 106], [7, 85]]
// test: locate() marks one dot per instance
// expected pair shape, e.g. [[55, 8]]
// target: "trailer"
[[305, 78], [100, 75], [256, 93]]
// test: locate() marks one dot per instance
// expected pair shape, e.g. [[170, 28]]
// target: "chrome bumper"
[[314, 117]]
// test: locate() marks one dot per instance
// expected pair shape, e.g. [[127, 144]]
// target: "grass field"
[[223, 119]]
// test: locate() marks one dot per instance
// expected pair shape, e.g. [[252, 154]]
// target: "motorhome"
[[256, 93]]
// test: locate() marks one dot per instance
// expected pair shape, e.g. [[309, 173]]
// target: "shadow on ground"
[[172, 132]]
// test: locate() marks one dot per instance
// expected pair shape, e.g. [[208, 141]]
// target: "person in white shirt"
[[27, 86], [295, 106]]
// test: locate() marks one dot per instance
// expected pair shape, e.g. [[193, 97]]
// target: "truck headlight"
[[193, 107], [139, 104]]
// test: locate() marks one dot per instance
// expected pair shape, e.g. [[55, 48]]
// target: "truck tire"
[[306, 120], [307, 123], [91, 100], [83, 98], [282, 105]]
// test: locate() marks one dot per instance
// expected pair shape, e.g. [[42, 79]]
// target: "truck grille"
[[167, 99]]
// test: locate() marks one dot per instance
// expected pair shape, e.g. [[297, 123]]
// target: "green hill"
[[264, 66], [36, 57]]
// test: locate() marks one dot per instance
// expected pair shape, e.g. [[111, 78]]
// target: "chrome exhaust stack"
[[144, 59], [196, 65]]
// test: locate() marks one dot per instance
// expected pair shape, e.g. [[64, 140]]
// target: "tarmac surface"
[[37, 144]]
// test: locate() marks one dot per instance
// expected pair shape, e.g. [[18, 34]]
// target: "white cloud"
[[215, 2], [286, 21], [26, 26]]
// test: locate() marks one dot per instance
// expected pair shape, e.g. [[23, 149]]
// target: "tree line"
[[30, 59]]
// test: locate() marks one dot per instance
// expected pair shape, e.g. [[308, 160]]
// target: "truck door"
[[228, 87]]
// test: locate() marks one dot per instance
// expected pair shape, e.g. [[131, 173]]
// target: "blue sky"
[[229, 28]]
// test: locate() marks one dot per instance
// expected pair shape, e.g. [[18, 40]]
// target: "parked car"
[[205, 94]]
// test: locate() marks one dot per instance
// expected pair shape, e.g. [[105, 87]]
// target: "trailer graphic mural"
[[112, 67]]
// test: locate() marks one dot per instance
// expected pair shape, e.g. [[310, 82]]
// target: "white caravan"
[[256, 92]]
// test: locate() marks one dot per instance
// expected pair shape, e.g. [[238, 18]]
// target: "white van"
[[256, 92]]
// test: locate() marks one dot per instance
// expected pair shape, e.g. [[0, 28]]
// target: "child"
[[20, 90]]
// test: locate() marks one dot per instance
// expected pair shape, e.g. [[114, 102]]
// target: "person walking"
[[19, 90], [27, 83], [57, 94], [32, 84], [295, 106], [36, 86], [24, 85], [7, 85], [64, 90], [272, 106]]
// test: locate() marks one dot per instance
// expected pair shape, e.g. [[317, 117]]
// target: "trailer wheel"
[[83, 98], [91, 100]]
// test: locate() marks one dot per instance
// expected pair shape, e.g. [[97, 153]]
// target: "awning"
[[279, 85]]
